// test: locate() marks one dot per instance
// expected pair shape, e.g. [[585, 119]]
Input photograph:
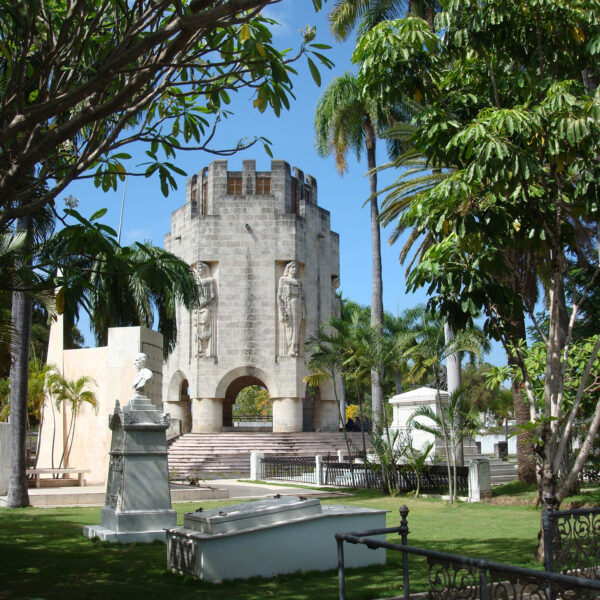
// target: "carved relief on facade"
[[292, 311], [204, 317]]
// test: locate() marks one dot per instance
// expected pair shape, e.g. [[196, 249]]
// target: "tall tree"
[[81, 81], [513, 99], [418, 174], [346, 15], [345, 120], [84, 253]]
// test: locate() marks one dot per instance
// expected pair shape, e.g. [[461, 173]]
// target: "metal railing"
[[452, 576], [289, 468], [349, 474], [572, 542], [252, 418], [433, 479]]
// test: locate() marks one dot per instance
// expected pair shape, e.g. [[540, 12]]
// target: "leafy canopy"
[[80, 81]]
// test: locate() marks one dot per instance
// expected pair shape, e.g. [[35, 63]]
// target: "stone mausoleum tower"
[[268, 266]]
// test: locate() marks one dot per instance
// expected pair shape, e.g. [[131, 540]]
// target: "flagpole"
[[122, 207]]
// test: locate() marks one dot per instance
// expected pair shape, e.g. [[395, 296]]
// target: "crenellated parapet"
[[268, 265]]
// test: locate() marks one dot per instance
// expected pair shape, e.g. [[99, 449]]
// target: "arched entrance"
[[247, 406], [178, 403]]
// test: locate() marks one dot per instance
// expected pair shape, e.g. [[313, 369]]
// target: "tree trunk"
[[453, 377], [398, 377], [376, 276], [19, 377], [525, 453]]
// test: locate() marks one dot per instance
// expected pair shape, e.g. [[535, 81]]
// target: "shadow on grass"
[[44, 555]]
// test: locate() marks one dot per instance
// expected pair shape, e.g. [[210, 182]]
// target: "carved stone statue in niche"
[[292, 310], [205, 315]]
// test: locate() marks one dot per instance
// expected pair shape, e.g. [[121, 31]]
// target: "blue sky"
[[147, 212]]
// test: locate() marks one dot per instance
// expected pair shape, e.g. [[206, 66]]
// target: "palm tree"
[[348, 14], [415, 458], [326, 349], [72, 395], [450, 422], [127, 286], [346, 120]]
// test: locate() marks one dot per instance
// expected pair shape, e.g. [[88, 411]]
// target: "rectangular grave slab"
[[301, 538], [251, 514]]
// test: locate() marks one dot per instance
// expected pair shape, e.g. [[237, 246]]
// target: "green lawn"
[[44, 555]]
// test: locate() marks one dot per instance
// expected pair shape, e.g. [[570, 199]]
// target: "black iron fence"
[[289, 468], [572, 542], [451, 576], [432, 479]]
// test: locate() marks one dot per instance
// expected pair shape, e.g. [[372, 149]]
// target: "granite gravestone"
[[138, 497]]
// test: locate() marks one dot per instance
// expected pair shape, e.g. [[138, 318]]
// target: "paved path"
[[93, 495]]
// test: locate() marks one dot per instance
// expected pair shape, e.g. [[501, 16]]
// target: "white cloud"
[[281, 15]]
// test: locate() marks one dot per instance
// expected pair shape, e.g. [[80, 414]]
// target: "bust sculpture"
[[205, 314], [292, 310], [142, 375]]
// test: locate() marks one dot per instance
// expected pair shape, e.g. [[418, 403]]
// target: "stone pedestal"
[[480, 480], [207, 415], [287, 415], [138, 498], [256, 467]]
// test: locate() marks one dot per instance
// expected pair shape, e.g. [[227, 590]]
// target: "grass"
[[44, 555]]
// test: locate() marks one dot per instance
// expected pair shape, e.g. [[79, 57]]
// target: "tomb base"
[[138, 497], [269, 537]]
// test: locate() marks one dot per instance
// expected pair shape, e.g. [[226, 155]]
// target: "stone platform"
[[94, 495]]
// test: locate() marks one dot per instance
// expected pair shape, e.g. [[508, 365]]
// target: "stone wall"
[[246, 235], [112, 369]]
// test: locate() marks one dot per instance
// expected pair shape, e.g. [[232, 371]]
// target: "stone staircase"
[[501, 471], [227, 455]]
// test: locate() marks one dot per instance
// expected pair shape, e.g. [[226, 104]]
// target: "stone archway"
[[234, 389], [177, 402], [268, 264]]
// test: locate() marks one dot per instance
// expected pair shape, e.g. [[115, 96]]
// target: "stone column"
[[207, 415], [180, 410], [256, 467], [287, 415], [326, 415], [318, 470], [480, 481]]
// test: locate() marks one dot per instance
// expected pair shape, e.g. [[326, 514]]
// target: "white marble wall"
[[113, 371]]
